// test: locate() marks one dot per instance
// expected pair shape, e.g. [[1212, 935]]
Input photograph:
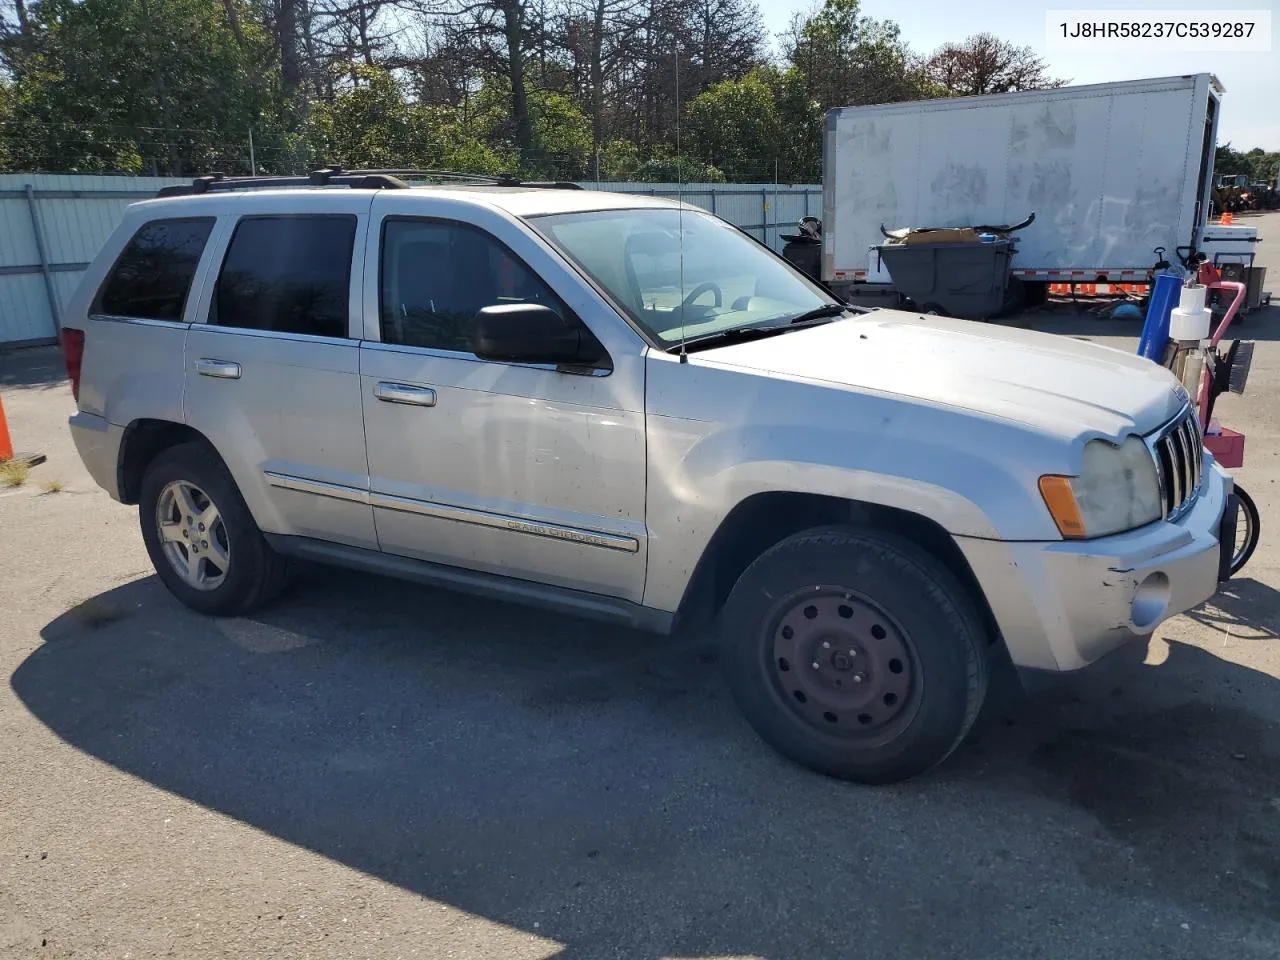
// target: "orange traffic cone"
[[6, 445]]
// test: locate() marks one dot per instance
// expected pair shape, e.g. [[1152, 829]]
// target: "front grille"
[[1179, 454]]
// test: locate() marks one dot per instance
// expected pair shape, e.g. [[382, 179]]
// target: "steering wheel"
[[702, 288]]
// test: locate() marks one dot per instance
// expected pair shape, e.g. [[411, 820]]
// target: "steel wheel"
[[193, 535], [843, 666]]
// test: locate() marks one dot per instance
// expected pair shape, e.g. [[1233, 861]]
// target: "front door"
[[273, 376], [519, 470]]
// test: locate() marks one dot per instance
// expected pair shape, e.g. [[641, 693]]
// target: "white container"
[[1190, 319], [1231, 244], [1111, 171]]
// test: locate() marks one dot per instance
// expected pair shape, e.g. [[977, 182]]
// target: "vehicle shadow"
[[1243, 609], [534, 769]]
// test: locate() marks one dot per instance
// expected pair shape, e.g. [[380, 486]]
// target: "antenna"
[[684, 356]]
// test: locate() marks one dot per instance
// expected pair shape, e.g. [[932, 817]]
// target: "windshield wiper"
[[732, 335], [826, 311], [815, 317]]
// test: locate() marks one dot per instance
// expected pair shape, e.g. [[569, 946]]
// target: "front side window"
[[287, 274], [153, 276], [676, 275], [437, 275]]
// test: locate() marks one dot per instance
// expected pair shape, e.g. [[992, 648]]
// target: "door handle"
[[222, 369], [404, 393]]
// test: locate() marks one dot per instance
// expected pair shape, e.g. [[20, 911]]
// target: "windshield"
[[729, 280]]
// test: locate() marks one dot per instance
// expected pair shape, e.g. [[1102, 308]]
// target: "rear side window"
[[152, 278], [287, 274]]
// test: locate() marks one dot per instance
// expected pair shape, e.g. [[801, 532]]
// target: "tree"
[[983, 63], [137, 84], [1257, 164], [560, 143], [370, 123], [498, 32], [799, 148], [848, 59], [728, 37], [367, 124], [734, 126], [597, 35]]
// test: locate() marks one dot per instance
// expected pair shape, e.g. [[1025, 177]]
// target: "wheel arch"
[[142, 441], [764, 519]]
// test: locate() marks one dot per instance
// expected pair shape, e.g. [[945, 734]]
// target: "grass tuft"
[[53, 486], [13, 473]]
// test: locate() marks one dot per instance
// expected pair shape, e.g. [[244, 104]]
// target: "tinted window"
[[291, 274], [153, 275], [437, 276]]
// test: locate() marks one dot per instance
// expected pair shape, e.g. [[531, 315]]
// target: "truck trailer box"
[[1111, 171]]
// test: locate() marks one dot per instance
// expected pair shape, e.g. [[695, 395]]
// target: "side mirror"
[[530, 333]]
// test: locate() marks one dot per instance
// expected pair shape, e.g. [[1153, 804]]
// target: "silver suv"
[[626, 408]]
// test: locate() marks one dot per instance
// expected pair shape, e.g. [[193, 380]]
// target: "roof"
[[516, 201]]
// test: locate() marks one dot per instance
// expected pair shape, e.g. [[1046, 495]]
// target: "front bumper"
[[1062, 605]]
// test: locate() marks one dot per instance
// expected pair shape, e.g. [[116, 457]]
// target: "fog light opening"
[[1151, 601]]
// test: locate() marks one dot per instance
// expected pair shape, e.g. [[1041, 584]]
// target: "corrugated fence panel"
[[24, 309], [765, 210], [75, 230], [78, 213]]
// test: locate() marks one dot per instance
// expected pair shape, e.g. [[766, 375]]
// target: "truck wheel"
[[201, 537], [855, 653]]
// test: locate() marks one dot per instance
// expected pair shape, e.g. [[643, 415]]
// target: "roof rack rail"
[[355, 179], [486, 179], [323, 177]]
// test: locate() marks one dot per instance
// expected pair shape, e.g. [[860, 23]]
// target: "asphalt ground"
[[376, 769]]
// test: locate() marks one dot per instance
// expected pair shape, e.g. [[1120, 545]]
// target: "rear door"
[[272, 375], [135, 341]]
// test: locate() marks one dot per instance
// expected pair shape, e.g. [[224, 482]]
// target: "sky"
[[1250, 107]]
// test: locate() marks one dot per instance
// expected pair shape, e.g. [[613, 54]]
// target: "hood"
[[1052, 383]]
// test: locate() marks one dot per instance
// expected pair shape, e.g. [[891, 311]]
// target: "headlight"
[[1117, 490]]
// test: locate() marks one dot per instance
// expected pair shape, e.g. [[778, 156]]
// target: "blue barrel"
[[1165, 292]]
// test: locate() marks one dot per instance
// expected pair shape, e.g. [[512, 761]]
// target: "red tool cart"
[[1226, 371]]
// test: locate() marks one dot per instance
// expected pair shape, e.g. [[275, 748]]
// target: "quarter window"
[[287, 274], [153, 276], [436, 276]]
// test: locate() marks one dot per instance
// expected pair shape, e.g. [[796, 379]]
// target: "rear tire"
[[201, 538], [854, 653]]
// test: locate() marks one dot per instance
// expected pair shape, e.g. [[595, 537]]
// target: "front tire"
[[200, 536], [854, 653]]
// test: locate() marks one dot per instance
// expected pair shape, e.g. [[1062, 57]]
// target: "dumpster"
[[968, 280], [805, 254], [803, 250]]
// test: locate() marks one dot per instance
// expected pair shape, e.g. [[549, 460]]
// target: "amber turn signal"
[[1062, 506]]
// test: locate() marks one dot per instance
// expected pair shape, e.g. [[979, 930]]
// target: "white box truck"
[[1111, 171]]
